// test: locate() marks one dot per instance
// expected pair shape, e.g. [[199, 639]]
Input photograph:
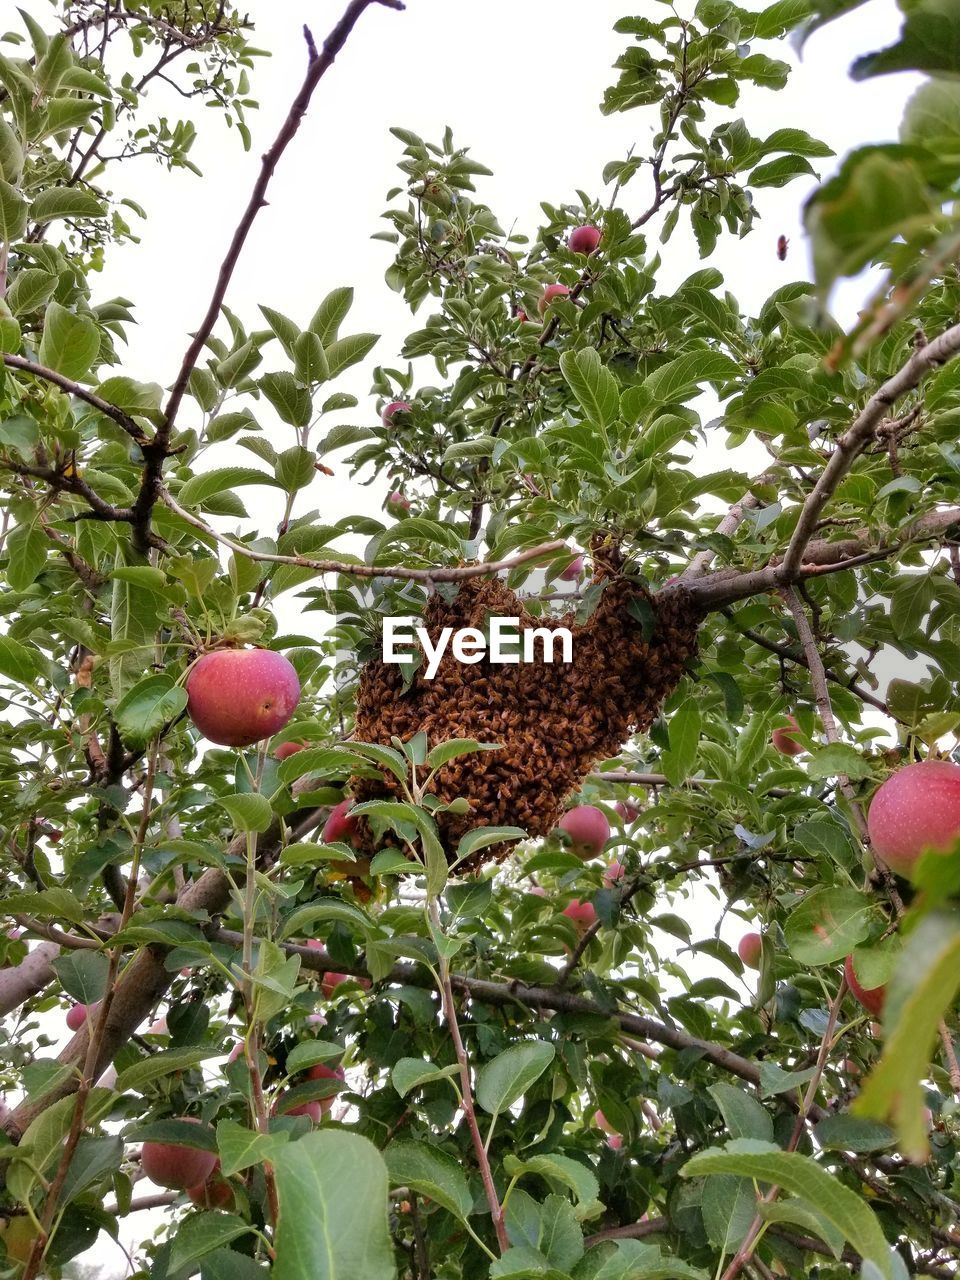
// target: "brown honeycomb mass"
[[555, 721]]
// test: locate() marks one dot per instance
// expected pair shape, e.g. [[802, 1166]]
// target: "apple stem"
[[466, 1088]]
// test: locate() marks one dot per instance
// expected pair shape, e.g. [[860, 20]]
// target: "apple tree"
[[370, 975]]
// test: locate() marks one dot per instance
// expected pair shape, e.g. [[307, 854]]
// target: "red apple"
[[573, 572], [582, 914], [871, 998], [312, 1109], [331, 981], [614, 876], [340, 825], [916, 809], [750, 950], [627, 810], [784, 738], [238, 696], [77, 1016], [522, 316], [537, 890], [215, 1193], [322, 1072], [615, 1142], [550, 292], [170, 1165], [393, 408], [588, 829], [584, 239], [286, 749], [398, 504], [601, 1121]]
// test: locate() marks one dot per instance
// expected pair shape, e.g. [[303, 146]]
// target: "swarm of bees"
[[554, 722]]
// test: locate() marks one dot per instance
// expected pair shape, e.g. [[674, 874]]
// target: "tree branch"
[[157, 451], [129, 425], [854, 441]]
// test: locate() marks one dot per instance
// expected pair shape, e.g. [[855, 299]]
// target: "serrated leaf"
[[248, 811], [430, 1172], [167, 1062], [147, 707], [506, 1078], [409, 1073], [70, 342]]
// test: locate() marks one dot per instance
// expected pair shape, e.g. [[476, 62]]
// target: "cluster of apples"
[[587, 830], [914, 812]]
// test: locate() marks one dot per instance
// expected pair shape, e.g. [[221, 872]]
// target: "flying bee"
[[782, 246]]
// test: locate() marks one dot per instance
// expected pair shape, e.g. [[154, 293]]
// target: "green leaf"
[[41, 1146], [929, 41], [684, 729], [801, 1175], [309, 1052], [456, 747], [332, 1188], [31, 289], [291, 400], [66, 202], [27, 547], [799, 1214], [241, 1148], [147, 707], [581, 1180], [593, 384], [201, 488], [310, 360], [18, 661], [483, 837], [504, 1080], [161, 1064], [827, 925], [432, 1172], [345, 352], [854, 218], [742, 1114], [330, 315], [852, 1133], [83, 974], [923, 988], [70, 342], [680, 379], [93, 1159], [13, 213], [248, 811], [201, 1233], [410, 1073], [838, 758]]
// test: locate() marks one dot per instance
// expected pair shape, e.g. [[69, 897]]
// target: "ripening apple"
[[537, 890], [615, 1142], [392, 409], [784, 738], [313, 1109], [584, 239], [627, 810], [915, 810], [522, 316], [750, 949], [871, 998], [614, 876], [236, 697], [158, 1028], [322, 1072], [582, 914], [287, 749], [398, 504], [601, 1121], [340, 825], [573, 572], [214, 1193], [169, 1164], [588, 829], [77, 1016], [550, 292], [331, 981]]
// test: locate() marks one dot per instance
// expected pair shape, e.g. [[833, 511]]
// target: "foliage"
[[479, 1031]]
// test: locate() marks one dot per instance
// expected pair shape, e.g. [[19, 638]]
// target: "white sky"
[[520, 84]]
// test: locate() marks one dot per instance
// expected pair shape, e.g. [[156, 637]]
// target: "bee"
[[782, 245]]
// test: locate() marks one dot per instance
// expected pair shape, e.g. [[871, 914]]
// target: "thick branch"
[[30, 976], [853, 442]]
